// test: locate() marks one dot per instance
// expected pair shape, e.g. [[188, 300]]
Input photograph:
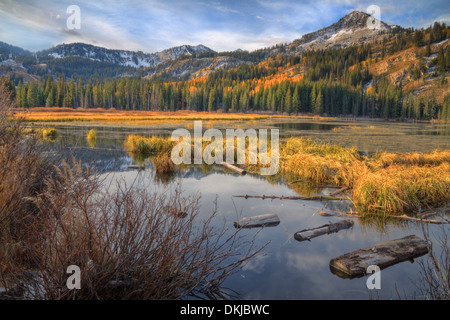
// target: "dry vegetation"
[[385, 183], [100, 115], [128, 243], [122, 116]]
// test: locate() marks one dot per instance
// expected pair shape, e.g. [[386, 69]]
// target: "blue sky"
[[222, 25]]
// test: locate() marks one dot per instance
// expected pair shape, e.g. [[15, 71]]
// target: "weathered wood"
[[326, 186], [326, 214], [312, 198], [355, 263], [136, 166], [234, 168], [335, 193], [308, 234], [98, 148], [353, 214], [264, 220]]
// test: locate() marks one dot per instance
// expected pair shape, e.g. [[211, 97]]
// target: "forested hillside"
[[403, 76]]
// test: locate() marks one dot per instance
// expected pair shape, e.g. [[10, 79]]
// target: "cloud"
[[155, 25]]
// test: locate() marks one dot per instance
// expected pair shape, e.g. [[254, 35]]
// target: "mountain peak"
[[357, 19], [350, 29]]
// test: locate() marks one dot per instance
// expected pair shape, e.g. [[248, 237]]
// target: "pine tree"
[[211, 101], [288, 102], [296, 103], [318, 106], [32, 95]]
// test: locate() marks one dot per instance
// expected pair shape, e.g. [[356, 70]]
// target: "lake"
[[286, 268]]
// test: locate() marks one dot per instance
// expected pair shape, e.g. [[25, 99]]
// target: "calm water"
[[287, 268]]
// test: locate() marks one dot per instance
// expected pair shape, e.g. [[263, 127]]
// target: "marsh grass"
[[148, 145], [91, 137], [48, 133], [386, 183]]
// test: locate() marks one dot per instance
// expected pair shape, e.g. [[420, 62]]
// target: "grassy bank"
[[385, 183]]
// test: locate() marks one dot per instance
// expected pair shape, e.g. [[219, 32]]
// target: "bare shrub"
[[434, 276], [23, 167], [128, 243]]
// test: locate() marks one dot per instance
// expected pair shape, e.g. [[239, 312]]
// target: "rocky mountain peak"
[[351, 29]]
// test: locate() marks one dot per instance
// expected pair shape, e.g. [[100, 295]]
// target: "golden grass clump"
[[144, 145], [92, 135], [91, 138], [389, 183], [302, 145], [399, 189], [383, 160], [48, 133]]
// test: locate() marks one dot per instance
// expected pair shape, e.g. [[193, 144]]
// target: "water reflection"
[[286, 269]]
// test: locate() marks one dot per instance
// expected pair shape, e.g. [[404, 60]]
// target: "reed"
[[387, 183], [48, 133], [400, 189], [91, 138], [148, 145], [92, 135]]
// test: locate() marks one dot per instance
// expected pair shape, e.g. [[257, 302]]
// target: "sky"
[[222, 25]]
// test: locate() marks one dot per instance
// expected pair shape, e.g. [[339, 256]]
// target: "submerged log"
[[264, 220], [234, 168], [355, 263], [308, 234]]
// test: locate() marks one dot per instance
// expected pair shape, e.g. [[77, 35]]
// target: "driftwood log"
[[355, 263], [335, 193], [264, 220], [312, 198], [136, 166], [234, 168], [353, 214], [308, 234]]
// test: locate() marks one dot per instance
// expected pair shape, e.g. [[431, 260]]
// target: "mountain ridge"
[[128, 58]]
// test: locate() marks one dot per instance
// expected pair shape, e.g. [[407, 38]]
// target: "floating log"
[[327, 213], [264, 220], [312, 198], [136, 166], [308, 234], [355, 263], [326, 186], [335, 193], [234, 168], [98, 148]]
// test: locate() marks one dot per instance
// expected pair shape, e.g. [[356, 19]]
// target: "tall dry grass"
[[148, 145], [386, 183], [23, 168]]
